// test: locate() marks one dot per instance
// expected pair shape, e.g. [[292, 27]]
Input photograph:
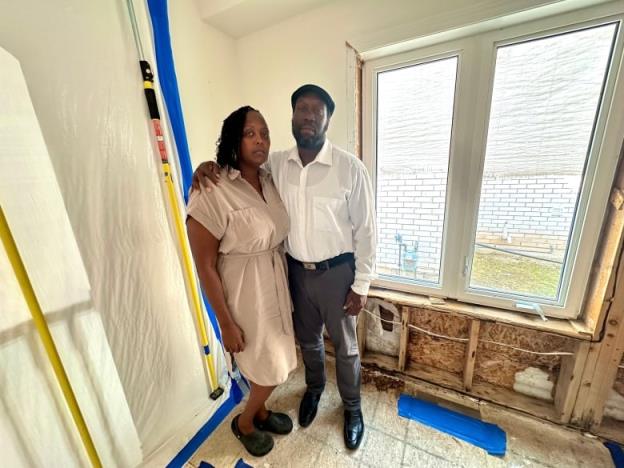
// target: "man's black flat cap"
[[318, 91]]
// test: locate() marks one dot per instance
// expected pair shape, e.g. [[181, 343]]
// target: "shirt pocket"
[[327, 213], [248, 225]]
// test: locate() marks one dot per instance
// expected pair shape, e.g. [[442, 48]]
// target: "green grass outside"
[[515, 274]]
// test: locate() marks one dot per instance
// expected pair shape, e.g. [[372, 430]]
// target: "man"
[[330, 250]]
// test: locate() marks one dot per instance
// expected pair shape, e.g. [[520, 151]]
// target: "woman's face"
[[256, 141]]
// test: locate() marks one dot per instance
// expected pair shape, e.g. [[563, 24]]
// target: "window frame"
[[473, 92]]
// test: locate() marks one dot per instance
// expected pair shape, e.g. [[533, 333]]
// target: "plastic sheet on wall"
[[36, 422], [117, 304]]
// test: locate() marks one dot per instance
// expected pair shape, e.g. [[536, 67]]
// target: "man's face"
[[310, 121]]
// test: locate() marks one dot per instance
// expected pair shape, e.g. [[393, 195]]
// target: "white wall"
[[311, 48], [208, 77]]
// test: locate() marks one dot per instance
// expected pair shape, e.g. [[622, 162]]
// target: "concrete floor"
[[391, 440]]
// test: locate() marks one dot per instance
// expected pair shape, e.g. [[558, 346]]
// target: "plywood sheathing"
[[437, 352], [498, 365]]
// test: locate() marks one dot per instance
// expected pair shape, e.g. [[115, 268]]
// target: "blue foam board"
[[616, 453], [488, 436]]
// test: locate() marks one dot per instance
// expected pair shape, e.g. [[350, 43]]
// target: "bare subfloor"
[[391, 440]]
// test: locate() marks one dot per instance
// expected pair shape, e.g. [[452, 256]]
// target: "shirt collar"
[[324, 156], [235, 173]]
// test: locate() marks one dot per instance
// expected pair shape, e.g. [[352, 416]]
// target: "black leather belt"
[[325, 264]]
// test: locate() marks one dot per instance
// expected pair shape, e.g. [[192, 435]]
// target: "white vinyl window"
[[492, 159]]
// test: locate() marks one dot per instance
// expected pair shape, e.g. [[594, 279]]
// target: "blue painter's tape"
[[168, 80], [204, 464], [616, 453], [241, 464], [485, 435], [191, 447], [169, 84]]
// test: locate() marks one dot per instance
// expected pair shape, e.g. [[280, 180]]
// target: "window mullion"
[[478, 92]]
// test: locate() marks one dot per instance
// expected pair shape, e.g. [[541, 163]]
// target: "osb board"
[[437, 352], [498, 365]]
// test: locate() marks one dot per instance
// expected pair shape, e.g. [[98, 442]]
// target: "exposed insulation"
[[437, 352], [614, 406], [383, 337], [498, 365], [534, 382]]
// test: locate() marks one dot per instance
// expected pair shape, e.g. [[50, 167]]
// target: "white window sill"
[[572, 328]]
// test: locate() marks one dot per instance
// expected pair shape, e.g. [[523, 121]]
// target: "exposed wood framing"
[[602, 283], [604, 356], [471, 354], [454, 382], [411, 363], [354, 98], [601, 369], [569, 381], [404, 337]]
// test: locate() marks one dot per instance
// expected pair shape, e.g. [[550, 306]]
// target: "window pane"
[[544, 105], [414, 119]]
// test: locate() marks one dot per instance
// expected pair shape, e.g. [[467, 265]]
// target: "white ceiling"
[[237, 18]]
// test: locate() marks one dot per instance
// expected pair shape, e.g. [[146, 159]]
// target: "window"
[[489, 163], [415, 115]]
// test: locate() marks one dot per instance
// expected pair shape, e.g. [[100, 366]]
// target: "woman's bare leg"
[[255, 404]]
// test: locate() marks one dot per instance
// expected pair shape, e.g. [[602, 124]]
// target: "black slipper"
[[277, 423], [257, 443]]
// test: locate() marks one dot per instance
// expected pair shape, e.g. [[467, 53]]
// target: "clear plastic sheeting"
[[83, 198], [37, 421]]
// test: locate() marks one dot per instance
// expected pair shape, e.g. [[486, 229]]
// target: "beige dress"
[[252, 267]]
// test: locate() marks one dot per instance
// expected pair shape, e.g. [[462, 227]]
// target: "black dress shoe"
[[307, 408], [353, 428]]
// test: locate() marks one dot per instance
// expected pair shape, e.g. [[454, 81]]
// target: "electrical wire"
[[463, 340]]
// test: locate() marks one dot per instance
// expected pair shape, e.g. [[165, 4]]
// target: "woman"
[[236, 236]]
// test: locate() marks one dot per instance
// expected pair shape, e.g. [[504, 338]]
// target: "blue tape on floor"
[[191, 447], [485, 435], [241, 464], [205, 465], [616, 453]]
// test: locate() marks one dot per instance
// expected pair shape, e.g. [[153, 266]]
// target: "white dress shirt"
[[331, 208]]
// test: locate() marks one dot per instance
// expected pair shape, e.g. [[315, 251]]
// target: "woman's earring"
[[234, 155]]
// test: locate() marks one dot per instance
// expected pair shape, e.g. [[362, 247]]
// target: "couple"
[[318, 199]]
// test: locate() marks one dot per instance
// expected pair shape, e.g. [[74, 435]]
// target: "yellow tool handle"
[[46, 338], [189, 273]]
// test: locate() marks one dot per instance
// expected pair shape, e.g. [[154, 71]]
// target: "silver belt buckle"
[[309, 266]]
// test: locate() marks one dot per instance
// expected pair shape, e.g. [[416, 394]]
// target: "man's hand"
[[206, 173], [354, 303]]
